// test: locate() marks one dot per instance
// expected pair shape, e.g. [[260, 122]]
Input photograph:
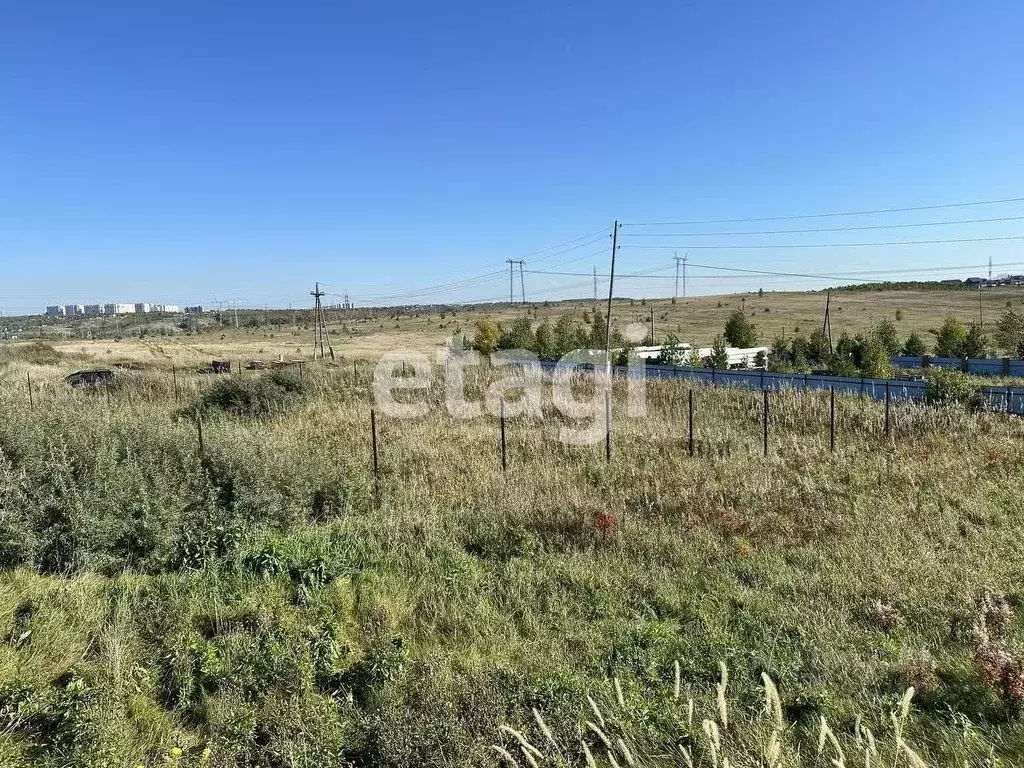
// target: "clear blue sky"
[[184, 151]]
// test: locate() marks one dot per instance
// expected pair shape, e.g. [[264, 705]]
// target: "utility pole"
[[511, 283], [990, 269], [608, 319], [826, 325], [680, 259], [675, 291], [652, 327], [595, 286], [320, 334]]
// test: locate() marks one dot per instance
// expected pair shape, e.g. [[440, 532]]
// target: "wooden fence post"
[[690, 423], [376, 467], [504, 459]]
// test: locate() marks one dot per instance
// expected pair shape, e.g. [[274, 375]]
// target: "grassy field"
[[366, 334], [259, 605]]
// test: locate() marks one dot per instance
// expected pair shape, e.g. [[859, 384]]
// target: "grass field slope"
[[257, 600]]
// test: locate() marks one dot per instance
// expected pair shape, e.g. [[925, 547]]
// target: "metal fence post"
[[832, 420], [689, 422], [174, 379], [888, 401], [504, 460], [199, 432], [608, 425], [376, 468], [28, 376], [764, 393]]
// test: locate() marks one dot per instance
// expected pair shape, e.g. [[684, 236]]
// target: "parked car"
[[99, 377]]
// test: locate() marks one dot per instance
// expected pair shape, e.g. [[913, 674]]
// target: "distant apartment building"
[[197, 310], [118, 309], [114, 308]]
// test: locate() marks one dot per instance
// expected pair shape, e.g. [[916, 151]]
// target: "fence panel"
[[900, 390]]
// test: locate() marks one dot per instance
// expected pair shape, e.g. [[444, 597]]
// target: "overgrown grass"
[[259, 602]]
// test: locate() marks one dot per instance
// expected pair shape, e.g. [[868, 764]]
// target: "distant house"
[[974, 282], [953, 282]]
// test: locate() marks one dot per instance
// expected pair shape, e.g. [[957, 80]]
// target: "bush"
[[254, 397], [945, 386], [36, 353]]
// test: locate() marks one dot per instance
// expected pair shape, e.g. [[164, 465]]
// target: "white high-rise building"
[[118, 309]]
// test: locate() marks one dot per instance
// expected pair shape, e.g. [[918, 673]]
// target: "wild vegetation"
[[259, 604]]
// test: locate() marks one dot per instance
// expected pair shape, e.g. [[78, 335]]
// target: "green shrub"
[[254, 397], [946, 386], [36, 353]]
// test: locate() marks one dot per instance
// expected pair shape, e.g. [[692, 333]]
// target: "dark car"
[[100, 377]]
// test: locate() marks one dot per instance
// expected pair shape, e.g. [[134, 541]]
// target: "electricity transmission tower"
[[320, 334], [522, 282], [679, 259]]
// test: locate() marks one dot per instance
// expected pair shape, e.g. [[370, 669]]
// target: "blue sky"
[[188, 151]]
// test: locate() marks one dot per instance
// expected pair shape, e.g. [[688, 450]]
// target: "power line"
[[827, 229], [831, 245], [774, 273], [827, 215], [562, 248]]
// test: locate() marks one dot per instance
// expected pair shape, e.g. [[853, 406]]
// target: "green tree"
[[779, 358], [487, 336], [739, 331], [818, 350], [569, 335], [597, 330], [800, 353], [673, 352], [950, 338], [915, 346], [1010, 333], [518, 336], [718, 358], [545, 342], [888, 337], [875, 361], [975, 343]]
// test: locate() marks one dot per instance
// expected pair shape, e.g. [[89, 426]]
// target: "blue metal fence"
[[983, 366], [900, 390]]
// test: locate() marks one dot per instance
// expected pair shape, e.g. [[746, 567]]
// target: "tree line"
[[863, 354]]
